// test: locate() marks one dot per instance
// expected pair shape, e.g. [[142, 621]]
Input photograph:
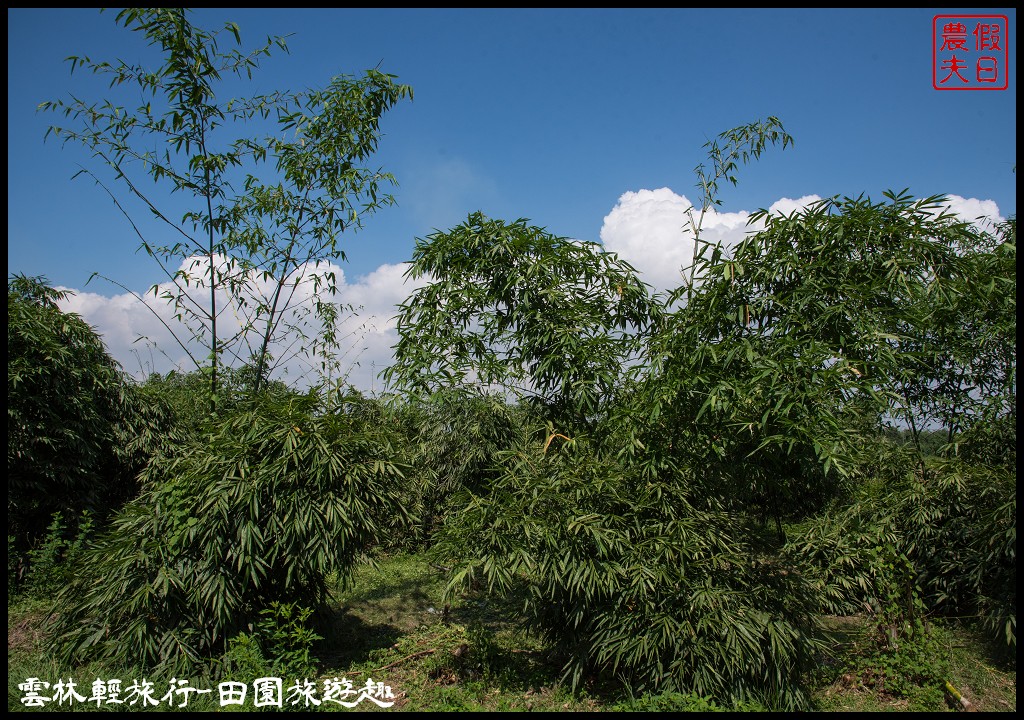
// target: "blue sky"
[[587, 122]]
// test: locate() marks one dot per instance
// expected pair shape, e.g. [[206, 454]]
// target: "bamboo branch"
[[396, 662], [958, 697]]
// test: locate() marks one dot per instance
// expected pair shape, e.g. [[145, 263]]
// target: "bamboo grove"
[[673, 488]]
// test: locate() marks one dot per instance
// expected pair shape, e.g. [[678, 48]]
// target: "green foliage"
[[264, 211], [739, 144], [281, 645], [796, 348], [626, 553], [915, 668], [627, 578], [455, 439], [993, 549], [731, 147], [78, 431], [53, 563], [962, 530], [515, 308], [946, 544], [637, 536], [186, 396], [990, 440], [930, 443], [262, 507], [382, 619], [967, 346]]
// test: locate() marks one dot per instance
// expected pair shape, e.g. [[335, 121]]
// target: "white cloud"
[[786, 206], [651, 230], [366, 333], [981, 212], [132, 332], [371, 332]]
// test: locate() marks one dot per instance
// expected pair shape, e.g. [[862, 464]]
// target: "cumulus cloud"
[[983, 213], [649, 229], [139, 335], [371, 330], [652, 231], [787, 206]]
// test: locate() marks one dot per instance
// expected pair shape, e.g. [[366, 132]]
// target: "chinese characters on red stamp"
[[970, 52]]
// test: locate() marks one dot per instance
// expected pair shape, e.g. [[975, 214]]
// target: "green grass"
[[394, 626], [856, 677], [391, 625]]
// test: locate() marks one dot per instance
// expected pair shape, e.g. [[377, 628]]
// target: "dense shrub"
[[187, 394], [945, 544], [629, 579], [78, 430], [280, 645], [455, 439], [262, 507]]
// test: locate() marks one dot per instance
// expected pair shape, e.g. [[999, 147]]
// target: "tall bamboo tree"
[[270, 182]]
